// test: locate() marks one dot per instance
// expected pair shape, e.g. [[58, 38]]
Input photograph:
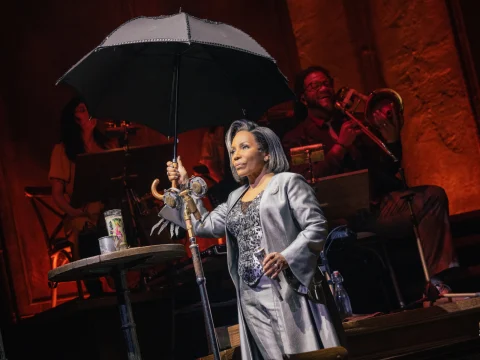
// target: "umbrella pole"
[[196, 257], [174, 109], [175, 91]]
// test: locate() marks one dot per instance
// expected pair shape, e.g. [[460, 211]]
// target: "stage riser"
[[91, 329], [420, 336], [422, 329], [443, 326]]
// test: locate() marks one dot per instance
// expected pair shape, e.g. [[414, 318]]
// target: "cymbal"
[[118, 129]]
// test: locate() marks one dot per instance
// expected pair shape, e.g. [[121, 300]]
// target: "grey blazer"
[[292, 224]]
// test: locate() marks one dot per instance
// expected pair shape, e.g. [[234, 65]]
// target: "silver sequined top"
[[244, 223]]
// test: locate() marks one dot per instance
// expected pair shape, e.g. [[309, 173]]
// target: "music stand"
[[118, 174], [343, 196], [309, 154]]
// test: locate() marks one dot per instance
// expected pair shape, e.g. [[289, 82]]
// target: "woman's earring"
[[265, 158]]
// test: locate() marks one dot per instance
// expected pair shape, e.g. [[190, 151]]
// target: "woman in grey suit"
[[282, 304]]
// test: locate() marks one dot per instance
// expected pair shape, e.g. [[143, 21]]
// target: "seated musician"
[[348, 149], [79, 134]]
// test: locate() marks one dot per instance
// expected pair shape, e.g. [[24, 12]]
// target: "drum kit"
[[147, 207]]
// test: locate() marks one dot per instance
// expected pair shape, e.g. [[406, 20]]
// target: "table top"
[[130, 259]]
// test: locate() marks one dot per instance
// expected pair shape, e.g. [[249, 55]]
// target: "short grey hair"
[[267, 141]]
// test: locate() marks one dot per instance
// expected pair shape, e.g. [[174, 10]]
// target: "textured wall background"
[[322, 36], [414, 46]]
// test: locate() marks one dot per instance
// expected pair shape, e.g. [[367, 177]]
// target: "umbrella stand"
[[190, 208]]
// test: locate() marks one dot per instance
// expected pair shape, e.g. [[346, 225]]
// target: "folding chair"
[[60, 249]]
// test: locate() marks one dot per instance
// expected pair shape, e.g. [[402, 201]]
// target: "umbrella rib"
[[189, 32]]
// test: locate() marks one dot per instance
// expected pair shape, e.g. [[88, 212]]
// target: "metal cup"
[[107, 244]]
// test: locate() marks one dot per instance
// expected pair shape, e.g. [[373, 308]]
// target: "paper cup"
[[114, 222]]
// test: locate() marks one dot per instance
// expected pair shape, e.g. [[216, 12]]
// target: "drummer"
[[79, 134]]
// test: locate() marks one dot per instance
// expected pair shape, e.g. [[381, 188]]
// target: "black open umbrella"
[[177, 73]]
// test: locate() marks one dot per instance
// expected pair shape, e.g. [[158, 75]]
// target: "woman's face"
[[247, 158], [83, 118]]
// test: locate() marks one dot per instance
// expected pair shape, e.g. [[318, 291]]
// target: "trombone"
[[347, 101]]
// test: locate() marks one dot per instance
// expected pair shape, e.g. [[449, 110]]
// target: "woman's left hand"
[[273, 264]]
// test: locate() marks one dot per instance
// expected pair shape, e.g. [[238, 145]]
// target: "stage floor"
[[91, 329], [443, 331]]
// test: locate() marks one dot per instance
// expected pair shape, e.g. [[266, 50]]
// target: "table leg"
[[126, 316]]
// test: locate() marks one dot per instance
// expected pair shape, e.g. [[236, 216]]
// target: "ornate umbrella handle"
[[155, 183], [154, 191]]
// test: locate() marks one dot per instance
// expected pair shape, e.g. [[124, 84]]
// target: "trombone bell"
[[347, 100], [380, 95]]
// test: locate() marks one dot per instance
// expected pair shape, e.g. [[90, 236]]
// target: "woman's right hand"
[[179, 173]]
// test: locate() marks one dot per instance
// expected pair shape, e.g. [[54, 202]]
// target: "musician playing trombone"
[[348, 149]]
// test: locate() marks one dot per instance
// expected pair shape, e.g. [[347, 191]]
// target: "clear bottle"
[[341, 297]]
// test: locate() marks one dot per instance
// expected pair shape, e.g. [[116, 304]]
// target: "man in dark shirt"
[[348, 149]]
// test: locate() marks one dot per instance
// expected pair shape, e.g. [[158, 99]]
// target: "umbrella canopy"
[[194, 72]]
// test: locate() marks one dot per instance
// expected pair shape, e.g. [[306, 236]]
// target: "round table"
[[117, 264]]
